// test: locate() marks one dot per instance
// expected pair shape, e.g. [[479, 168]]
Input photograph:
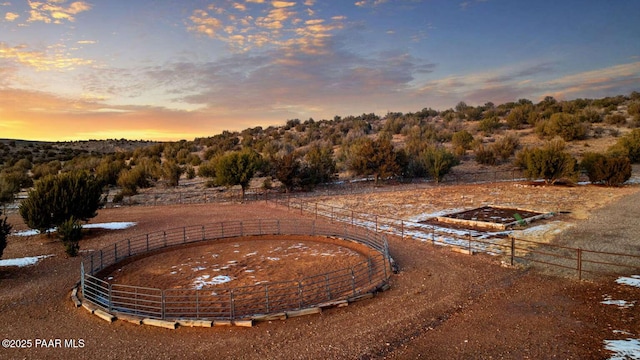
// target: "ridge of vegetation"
[[303, 154]]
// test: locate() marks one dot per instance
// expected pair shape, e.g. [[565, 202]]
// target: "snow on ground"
[[608, 300], [427, 216], [202, 281], [108, 226], [22, 262], [634, 280], [628, 349], [111, 226]]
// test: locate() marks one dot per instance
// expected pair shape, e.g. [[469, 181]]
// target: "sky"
[[178, 69]]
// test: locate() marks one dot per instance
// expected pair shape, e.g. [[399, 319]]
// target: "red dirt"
[[246, 261]]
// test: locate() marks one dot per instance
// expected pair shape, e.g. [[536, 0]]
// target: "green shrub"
[[615, 119], [550, 162], [489, 125], [485, 155], [55, 199], [70, 232], [607, 169], [438, 161], [462, 139], [506, 146], [5, 229], [628, 145]]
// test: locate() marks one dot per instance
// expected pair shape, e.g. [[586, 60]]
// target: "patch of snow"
[[252, 254], [202, 281], [628, 349], [111, 225], [634, 280], [29, 232], [107, 226], [620, 303], [22, 262], [199, 268], [426, 216], [273, 258]]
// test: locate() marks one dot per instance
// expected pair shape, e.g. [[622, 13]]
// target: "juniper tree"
[[56, 198], [5, 229]]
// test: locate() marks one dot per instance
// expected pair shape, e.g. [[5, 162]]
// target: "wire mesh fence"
[[239, 302], [550, 258]]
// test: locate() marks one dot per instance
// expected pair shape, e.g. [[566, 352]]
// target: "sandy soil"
[[238, 262], [441, 304]]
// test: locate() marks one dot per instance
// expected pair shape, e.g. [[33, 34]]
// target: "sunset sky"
[[170, 70]]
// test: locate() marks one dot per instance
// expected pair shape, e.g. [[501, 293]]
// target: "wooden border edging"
[[161, 323], [104, 315]]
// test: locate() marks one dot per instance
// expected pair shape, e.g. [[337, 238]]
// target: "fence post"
[[164, 235], [513, 249], [163, 308], [353, 282], [147, 242], [266, 296], [241, 228], [82, 277], [433, 234], [402, 229], [232, 304], [203, 236], [184, 234], [300, 294], [115, 252], [91, 270], [129, 246], [197, 304], [376, 223], [316, 211], [579, 264], [110, 297], [328, 286]]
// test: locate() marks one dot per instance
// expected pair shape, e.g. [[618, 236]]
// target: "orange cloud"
[[53, 11], [11, 16], [39, 60], [282, 4]]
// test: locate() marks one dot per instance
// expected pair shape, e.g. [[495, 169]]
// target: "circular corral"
[[187, 273], [238, 262]]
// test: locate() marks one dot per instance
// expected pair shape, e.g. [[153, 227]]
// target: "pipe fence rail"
[[566, 261], [233, 303]]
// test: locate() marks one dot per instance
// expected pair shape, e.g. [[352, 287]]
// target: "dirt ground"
[[239, 262], [441, 305]]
